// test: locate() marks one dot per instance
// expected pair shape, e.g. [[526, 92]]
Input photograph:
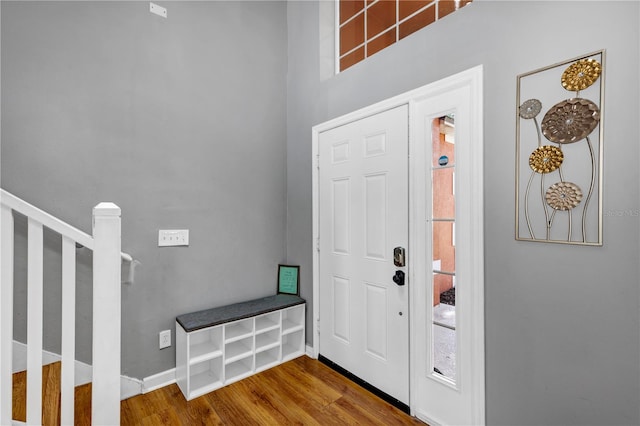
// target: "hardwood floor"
[[301, 392], [50, 397]]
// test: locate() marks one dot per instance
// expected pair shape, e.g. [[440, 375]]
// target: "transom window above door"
[[368, 26]]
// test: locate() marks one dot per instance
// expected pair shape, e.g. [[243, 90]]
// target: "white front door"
[[363, 216], [396, 337]]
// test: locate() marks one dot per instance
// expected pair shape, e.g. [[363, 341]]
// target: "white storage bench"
[[219, 346]]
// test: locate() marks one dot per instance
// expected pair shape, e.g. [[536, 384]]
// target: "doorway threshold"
[[366, 385]]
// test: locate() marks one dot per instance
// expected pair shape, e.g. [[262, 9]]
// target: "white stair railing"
[[105, 243]]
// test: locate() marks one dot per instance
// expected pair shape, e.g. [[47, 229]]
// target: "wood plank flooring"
[[50, 397], [299, 392]]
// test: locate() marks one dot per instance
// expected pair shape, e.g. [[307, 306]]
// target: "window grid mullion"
[[395, 26]]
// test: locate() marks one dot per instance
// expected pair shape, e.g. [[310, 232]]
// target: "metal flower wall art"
[[559, 141]]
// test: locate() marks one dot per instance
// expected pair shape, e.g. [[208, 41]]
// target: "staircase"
[[105, 243]]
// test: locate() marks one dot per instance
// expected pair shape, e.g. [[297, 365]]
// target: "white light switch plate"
[[173, 237], [158, 10]]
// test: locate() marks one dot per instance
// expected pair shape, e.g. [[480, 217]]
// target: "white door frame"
[[471, 79]]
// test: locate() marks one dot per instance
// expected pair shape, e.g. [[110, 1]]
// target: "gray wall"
[[179, 121], [562, 322], [195, 122]]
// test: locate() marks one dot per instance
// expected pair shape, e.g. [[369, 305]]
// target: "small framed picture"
[[288, 279]]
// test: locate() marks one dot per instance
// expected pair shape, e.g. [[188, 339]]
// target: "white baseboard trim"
[[129, 387], [160, 380], [83, 372], [310, 352]]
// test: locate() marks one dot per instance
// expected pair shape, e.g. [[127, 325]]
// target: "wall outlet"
[[173, 237], [165, 339]]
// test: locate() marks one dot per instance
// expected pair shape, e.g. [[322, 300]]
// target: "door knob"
[[398, 278]]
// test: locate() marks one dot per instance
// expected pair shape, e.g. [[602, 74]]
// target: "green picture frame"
[[289, 279]]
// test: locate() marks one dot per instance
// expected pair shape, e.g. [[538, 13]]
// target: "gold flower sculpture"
[[546, 159], [570, 120], [563, 195], [530, 108], [580, 75]]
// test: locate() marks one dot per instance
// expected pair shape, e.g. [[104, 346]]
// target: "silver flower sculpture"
[[530, 108], [563, 195], [570, 120]]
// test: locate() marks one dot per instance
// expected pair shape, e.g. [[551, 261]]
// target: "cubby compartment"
[[292, 319], [205, 376], [292, 345], [222, 345], [267, 322], [267, 340], [238, 349], [238, 370], [267, 358], [205, 344], [238, 330]]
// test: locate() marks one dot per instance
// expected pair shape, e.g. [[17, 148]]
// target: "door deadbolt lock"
[[399, 257], [398, 278]]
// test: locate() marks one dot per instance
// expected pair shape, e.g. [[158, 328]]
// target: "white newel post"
[[105, 407]]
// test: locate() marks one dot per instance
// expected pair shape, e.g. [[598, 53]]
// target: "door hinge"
[[318, 244]]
